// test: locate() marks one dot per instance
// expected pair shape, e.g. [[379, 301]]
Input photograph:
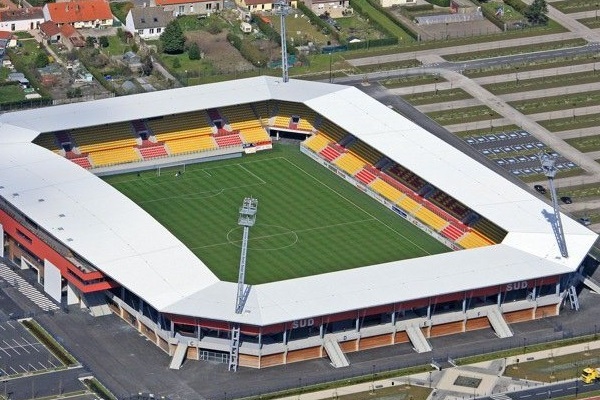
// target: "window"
[[158, 30], [151, 30], [181, 9], [140, 31], [208, 6], [12, 27]]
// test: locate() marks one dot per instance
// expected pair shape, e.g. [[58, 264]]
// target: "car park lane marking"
[[21, 346], [11, 348]]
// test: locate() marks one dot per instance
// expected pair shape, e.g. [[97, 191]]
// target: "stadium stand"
[[489, 230], [191, 144], [409, 205], [180, 126], [365, 176], [82, 162], [148, 152], [255, 135], [140, 128], [228, 140], [449, 204], [367, 153], [240, 117], [333, 132], [103, 137], [48, 141], [261, 110], [386, 190], [452, 232], [431, 219], [294, 116], [407, 177], [473, 239], [349, 163], [316, 142], [114, 156], [330, 153]]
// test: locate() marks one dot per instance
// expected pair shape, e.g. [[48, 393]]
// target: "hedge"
[[491, 16], [440, 3], [373, 43], [393, 18], [518, 5]]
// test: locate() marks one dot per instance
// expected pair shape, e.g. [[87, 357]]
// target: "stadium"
[[370, 231]]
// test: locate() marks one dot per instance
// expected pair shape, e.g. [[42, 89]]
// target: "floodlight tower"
[[550, 170], [246, 219], [282, 9]]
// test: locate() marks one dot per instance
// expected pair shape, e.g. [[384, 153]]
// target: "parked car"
[[540, 189], [585, 221], [566, 200]]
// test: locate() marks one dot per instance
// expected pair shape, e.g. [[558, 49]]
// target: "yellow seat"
[[121, 155], [349, 163], [255, 135], [386, 190], [316, 142], [428, 217]]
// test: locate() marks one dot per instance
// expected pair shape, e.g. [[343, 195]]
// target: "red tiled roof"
[[49, 28], [79, 11], [5, 35], [68, 30]]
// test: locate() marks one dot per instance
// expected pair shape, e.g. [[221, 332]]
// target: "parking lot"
[[516, 151], [21, 353]]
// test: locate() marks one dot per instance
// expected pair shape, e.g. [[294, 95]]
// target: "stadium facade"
[[93, 246]]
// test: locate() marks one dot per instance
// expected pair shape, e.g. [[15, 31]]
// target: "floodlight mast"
[[549, 168], [282, 9], [246, 219]]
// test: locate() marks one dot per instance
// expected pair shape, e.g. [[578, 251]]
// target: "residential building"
[[260, 5], [21, 19], [185, 7], [80, 13], [147, 22], [65, 34]]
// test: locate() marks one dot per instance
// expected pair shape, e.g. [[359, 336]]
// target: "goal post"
[[170, 169]]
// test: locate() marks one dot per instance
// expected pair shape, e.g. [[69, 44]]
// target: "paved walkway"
[[490, 372]]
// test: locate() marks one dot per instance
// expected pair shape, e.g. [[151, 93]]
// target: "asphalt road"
[[568, 388]]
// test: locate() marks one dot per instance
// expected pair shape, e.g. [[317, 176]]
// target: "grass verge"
[[546, 82], [507, 51], [48, 341], [440, 96], [99, 389]]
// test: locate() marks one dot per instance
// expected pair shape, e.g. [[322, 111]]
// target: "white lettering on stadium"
[[303, 323], [516, 286]]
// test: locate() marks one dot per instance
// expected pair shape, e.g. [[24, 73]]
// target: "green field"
[[309, 220]]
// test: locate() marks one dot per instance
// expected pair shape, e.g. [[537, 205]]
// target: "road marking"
[[11, 347], [16, 372], [33, 345], [2, 348], [20, 345], [23, 368], [34, 368], [525, 395], [3, 328], [557, 390], [43, 366]]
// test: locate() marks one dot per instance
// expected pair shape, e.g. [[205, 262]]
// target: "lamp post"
[[491, 123], [597, 6], [373, 377], [330, 75], [524, 344], [517, 75]]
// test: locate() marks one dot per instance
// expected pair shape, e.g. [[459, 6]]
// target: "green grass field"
[[309, 220]]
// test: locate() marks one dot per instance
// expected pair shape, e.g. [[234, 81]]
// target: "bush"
[[440, 3], [194, 52], [103, 41], [41, 60], [176, 63], [214, 28], [172, 38]]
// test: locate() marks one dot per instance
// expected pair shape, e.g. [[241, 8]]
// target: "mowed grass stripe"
[[309, 220]]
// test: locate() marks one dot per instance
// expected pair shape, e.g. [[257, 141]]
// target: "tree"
[[41, 60], [172, 38], [194, 51], [536, 12], [103, 41], [176, 63], [90, 41]]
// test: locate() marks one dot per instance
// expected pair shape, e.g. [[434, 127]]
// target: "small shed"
[[246, 27]]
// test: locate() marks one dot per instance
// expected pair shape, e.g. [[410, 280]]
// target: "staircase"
[[178, 356], [417, 339], [335, 353], [235, 348], [591, 284], [573, 299], [498, 322]]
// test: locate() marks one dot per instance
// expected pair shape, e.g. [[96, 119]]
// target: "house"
[[21, 19], [65, 34], [79, 13], [50, 31], [336, 9], [260, 5], [147, 22], [184, 7]]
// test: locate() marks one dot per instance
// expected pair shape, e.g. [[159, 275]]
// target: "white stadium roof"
[[123, 241]]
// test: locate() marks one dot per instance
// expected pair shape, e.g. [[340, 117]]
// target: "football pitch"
[[309, 220]]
